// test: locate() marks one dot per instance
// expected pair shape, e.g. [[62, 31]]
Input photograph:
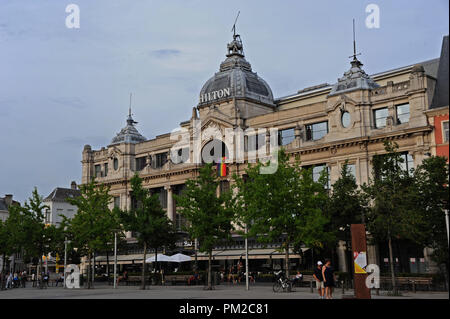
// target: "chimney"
[[73, 185], [8, 200]]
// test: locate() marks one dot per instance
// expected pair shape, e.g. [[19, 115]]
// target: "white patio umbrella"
[[179, 258], [161, 257]]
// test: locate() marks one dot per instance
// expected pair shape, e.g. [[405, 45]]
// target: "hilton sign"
[[215, 95]]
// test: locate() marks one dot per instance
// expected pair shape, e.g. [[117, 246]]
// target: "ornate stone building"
[[325, 124]]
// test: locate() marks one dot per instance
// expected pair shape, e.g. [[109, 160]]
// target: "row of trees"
[[289, 205], [292, 206]]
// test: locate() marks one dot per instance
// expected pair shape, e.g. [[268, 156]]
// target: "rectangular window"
[[316, 131], [286, 136], [317, 170], [106, 169], [408, 162], [162, 194], [403, 113], [352, 169], [224, 186], [140, 163], [255, 142], [117, 202], [47, 216], [445, 137], [380, 117], [160, 160], [98, 170]]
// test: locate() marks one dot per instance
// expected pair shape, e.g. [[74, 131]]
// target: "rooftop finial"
[[234, 25], [235, 47], [130, 120], [129, 109], [355, 61]]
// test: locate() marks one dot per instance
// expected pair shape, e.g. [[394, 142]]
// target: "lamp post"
[[65, 259], [446, 223], [115, 258], [195, 249], [246, 259]]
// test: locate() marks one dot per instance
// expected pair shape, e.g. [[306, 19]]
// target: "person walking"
[[318, 276], [33, 279], [9, 280], [329, 279], [24, 279]]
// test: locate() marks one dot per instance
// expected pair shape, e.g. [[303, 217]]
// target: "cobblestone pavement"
[[189, 292]]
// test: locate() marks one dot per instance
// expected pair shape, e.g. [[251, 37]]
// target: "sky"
[[62, 88]]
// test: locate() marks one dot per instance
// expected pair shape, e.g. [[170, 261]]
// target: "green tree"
[[393, 213], [148, 220], [93, 225], [346, 206], [287, 204], [5, 249], [209, 215], [431, 178], [28, 232]]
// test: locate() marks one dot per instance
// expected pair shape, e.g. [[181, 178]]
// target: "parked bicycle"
[[282, 283]]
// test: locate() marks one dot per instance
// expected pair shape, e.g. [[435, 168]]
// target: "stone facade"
[[401, 96]]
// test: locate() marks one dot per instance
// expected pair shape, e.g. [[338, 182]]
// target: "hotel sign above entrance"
[[210, 96]]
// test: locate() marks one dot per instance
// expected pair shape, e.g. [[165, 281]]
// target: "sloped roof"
[[61, 194], [440, 97]]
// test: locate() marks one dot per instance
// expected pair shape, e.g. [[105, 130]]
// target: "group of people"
[[325, 279], [14, 280], [236, 274]]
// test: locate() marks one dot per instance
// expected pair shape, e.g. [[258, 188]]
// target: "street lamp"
[[446, 223], [65, 259], [246, 259], [115, 258]]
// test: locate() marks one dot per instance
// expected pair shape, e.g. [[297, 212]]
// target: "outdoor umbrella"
[[179, 258], [161, 257]]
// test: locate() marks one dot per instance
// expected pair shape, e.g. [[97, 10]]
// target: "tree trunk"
[[209, 270], [143, 267], [286, 259], [391, 261], [89, 271]]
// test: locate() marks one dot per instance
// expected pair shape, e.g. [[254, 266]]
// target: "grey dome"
[[236, 77], [129, 134]]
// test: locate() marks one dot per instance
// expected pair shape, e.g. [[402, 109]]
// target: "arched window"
[[214, 151]]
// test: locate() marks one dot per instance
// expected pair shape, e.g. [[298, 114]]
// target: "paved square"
[[258, 291]]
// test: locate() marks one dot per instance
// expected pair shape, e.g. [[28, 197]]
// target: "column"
[[170, 207]]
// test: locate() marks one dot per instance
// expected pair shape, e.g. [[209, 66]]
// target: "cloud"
[[165, 53], [73, 102]]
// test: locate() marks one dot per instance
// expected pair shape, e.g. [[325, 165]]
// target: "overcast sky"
[[63, 88]]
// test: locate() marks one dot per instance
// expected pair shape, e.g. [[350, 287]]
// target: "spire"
[[130, 120], [129, 134], [355, 62], [355, 78]]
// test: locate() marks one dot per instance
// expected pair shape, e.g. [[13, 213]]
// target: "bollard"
[[311, 286]]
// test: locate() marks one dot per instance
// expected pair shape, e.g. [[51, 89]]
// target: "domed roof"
[[129, 134], [235, 79], [354, 79]]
